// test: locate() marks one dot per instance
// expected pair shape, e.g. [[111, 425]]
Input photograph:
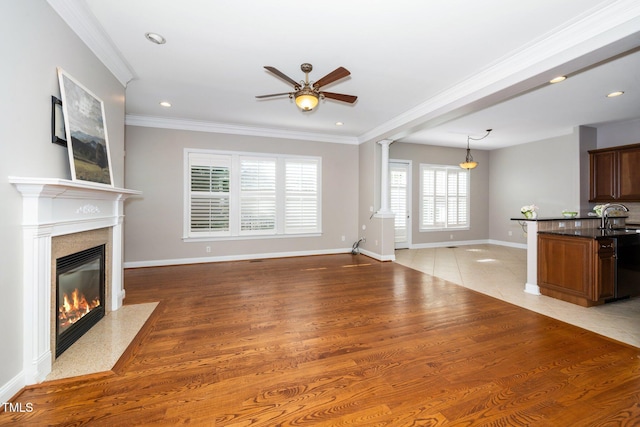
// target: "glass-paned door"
[[399, 181]]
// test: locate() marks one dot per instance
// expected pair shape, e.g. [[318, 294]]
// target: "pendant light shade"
[[469, 163]]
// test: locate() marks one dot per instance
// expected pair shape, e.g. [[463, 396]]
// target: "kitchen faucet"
[[604, 220]]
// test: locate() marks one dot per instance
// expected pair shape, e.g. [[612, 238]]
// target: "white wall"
[[35, 42], [154, 222]]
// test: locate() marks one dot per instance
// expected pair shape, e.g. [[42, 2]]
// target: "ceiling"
[[429, 72]]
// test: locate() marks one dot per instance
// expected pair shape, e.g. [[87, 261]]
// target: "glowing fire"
[[74, 307]]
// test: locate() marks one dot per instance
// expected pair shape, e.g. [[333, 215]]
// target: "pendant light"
[[469, 163]]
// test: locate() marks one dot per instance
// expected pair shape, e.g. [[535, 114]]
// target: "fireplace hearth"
[[80, 295]]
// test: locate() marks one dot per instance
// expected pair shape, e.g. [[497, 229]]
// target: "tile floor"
[[100, 348], [501, 271]]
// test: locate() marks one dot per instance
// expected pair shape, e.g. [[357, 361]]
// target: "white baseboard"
[[241, 257], [509, 244], [532, 289], [448, 243], [377, 256], [12, 387]]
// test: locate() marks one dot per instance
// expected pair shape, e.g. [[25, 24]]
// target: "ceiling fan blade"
[[336, 74], [282, 76], [273, 94], [340, 97]]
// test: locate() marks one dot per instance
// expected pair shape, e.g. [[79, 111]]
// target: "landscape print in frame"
[[86, 132]]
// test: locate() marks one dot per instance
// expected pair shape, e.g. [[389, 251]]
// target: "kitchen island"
[[531, 226], [589, 266]]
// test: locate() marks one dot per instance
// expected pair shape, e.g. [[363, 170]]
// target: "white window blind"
[[209, 195], [301, 196], [398, 200], [444, 201], [231, 195], [258, 195]]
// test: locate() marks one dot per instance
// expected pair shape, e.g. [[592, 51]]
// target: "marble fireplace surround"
[[58, 216]]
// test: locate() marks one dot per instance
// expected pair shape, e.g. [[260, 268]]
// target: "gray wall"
[[619, 134], [545, 173], [154, 222], [431, 154], [35, 42]]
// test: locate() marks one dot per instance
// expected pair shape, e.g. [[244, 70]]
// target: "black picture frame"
[[58, 135]]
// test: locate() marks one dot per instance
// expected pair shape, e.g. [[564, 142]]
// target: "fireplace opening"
[[80, 295]]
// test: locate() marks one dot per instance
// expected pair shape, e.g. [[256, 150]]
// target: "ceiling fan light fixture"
[[306, 99]]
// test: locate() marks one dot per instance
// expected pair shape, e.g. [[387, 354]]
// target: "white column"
[[384, 180], [531, 287], [37, 303]]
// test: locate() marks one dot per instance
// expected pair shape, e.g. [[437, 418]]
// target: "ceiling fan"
[[307, 94]]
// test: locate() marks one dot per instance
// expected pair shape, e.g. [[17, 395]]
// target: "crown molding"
[[204, 126], [81, 21], [601, 27]]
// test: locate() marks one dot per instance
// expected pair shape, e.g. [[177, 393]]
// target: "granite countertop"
[[593, 233], [563, 218]]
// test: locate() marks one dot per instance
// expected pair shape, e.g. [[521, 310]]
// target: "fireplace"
[[80, 295], [62, 217]]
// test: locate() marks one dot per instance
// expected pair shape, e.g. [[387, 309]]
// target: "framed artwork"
[[57, 122], [85, 131]]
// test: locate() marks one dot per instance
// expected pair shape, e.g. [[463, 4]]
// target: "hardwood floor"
[[341, 340]]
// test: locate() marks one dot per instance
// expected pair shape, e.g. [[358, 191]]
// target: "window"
[[444, 197], [232, 195]]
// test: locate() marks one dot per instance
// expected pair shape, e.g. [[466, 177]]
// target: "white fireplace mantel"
[[55, 207]]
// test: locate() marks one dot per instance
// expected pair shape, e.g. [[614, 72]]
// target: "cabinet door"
[[629, 174], [602, 182], [565, 265], [605, 269]]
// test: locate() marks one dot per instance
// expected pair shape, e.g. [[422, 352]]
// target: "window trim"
[[446, 227], [235, 232]]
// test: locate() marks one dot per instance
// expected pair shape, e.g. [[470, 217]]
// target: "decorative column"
[[384, 211], [385, 215]]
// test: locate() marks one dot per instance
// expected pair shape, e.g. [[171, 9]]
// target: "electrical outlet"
[[208, 249], [451, 236], [510, 233], [343, 238]]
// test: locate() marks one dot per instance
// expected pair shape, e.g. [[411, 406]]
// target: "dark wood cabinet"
[[614, 174], [575, 269], [605, 269], [628, 163]]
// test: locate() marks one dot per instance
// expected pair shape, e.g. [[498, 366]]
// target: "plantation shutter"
[[398, 200], [209, 194], [257, 195], [301, 210], [444, 197], [457, 198]]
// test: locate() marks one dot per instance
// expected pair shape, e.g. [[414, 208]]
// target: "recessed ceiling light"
[[614, 94], [558, 79], [339, 123], [165, 104], [155, 38]]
